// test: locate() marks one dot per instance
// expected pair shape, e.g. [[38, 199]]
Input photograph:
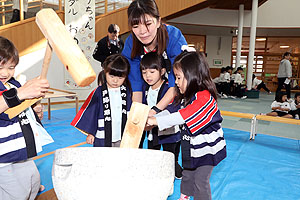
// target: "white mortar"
[[88, 173]]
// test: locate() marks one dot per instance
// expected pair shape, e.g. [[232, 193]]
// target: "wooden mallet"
[[65, 47]]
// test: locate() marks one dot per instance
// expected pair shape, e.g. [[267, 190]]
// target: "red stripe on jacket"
[[201, 114], [202, 98], [206, 121], [83, 108], [2, 92]]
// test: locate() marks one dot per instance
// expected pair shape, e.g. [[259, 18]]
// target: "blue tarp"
[[266, 168]]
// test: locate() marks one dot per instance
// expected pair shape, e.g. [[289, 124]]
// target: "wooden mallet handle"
[[14, 111]]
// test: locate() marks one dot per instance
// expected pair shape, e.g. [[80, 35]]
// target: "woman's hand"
[[90, 139]]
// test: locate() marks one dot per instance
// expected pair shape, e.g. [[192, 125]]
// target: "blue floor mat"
[[266, 168]]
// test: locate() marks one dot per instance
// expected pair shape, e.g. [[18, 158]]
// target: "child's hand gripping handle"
[[14, 111]]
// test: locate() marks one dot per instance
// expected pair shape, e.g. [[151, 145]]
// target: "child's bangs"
[[177, 65], [151, 66], [6, 57], [151, 61], [118, 68]]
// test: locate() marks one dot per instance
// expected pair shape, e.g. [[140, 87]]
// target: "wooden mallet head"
[[65, 47]]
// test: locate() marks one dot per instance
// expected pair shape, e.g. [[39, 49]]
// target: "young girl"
[[219, 81], [226, 85], [153, 72], [295, 106], [258, 84], [239, 86], [203, 144], [280, 106], [104, 113]]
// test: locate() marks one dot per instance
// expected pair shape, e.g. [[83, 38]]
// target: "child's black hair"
[[8, 52], [279, 95], [116, 65], [223, 69], [228, 68], [286, 54], [151, 61], [239, 68], [253, 77], [297, 95], [196, 71]]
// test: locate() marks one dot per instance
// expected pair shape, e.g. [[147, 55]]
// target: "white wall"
[[217, 50], [55, 73], [273, 13]]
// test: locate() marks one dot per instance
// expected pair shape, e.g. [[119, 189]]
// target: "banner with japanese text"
[[80, 22]]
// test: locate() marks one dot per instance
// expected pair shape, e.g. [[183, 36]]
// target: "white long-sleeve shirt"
[[238, 78], [227, 77], [281, 105], [256, 82], [221, 78], [293, 105]]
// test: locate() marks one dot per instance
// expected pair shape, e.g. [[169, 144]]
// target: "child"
[[226, 84], [280, 106], [238, 83], [258, 84], [219, 82], [153, 72], [104, 113], [295, 106], [20, 136], [203, 144]]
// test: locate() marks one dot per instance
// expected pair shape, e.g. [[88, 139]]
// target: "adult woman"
[[149, 34]]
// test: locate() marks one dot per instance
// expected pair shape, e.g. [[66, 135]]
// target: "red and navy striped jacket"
[[202, 140]]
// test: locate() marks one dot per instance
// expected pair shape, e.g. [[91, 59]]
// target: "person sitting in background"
[[16, 10], [226, 89], [280, 107], [239, 86], [219, 82], [258, 84], [295, 106], [109, 45]]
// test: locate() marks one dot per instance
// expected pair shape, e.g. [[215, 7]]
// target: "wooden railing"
[[101, 7], [255, 117]]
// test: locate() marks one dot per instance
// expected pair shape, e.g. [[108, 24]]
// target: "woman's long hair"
[[136, 15], [196, 71]]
